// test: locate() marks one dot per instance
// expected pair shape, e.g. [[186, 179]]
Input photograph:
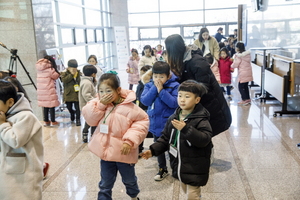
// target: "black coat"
[[194, 147], [198, 69]]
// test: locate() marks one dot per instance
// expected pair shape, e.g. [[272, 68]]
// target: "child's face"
[[105, 89], [205, 35], [147, 52], [223, 54], [4, 107], [134, 54], [187, 100], [72, 70], [92, 61], [160, 77], [158, 48], [237, 49]]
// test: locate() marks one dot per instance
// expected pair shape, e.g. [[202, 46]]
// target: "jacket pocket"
[[15, 163]]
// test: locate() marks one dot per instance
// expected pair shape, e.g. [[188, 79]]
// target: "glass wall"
[[82, 28], [151, 24]]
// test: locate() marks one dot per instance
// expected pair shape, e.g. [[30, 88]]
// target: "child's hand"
[[146, 154], [232, 69], [106, 99], [159, 85], [178, 124], [125, 149], [127, 70], [2, 117]]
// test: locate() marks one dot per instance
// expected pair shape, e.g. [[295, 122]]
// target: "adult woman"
[[207, 43], [187, 62]]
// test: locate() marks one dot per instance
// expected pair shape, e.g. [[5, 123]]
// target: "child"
[[163, 56], [225, 63], [148, 57], [71, 81], [21, 144], [139, 91], [242, 61], [92, 60], [121, 127], [132, 68], [20, 89], [87, 92], [47, 96], [214, 66], [160, 95], [159, 49], [187, 136]]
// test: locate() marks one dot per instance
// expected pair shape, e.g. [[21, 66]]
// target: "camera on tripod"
[[14, 51]]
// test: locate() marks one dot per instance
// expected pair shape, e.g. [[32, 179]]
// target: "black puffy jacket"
[[197, 68], [191, 166]]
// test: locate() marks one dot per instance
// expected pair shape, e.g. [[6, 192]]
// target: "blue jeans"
[[161, 159], [109, 172], [244, 90]]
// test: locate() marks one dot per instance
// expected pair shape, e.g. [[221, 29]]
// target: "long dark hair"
[[176, 48], [202, 30], [52, 61]]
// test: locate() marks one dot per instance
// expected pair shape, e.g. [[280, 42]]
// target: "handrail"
[[282, 58]]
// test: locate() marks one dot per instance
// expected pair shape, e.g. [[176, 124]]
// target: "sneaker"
[[54, 123], [47, 123], [163, 173], [45, 170], [78, 123], [85, 137], [229, 97], [231, 88]]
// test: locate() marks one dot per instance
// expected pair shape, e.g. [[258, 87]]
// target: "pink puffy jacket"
[[127, 123], [46, 88], [242, 61], [215, 69]]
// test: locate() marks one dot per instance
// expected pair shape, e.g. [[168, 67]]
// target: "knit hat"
[[72, 63]]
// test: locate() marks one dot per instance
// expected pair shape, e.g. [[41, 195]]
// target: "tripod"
[[13, 63]]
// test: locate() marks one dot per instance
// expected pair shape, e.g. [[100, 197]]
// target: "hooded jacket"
[[197, 68], [225, 70], [87, 90], [191, 165], [242, 61], [46, 89], [127, 123], [21, 153], [160, 105], [68, 81]]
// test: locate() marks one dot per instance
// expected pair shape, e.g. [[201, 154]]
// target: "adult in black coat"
[[186, 63]]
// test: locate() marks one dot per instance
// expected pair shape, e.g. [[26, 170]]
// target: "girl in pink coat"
[[242, 61], [121, 127], [133, 69], [46, 90]]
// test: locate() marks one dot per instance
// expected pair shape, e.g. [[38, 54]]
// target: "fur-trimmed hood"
[[243, 54]]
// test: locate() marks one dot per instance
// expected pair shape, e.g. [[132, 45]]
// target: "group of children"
[[179, 124], [224, 67]]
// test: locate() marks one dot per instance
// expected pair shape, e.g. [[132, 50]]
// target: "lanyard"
[[109, 113], [177, 131]]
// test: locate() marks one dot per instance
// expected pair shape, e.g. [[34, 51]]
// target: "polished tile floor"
[[257, 158]]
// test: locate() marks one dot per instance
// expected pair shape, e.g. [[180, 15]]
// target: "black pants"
[[244, 90], [52, 114], [86, 128], [72, 112]]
